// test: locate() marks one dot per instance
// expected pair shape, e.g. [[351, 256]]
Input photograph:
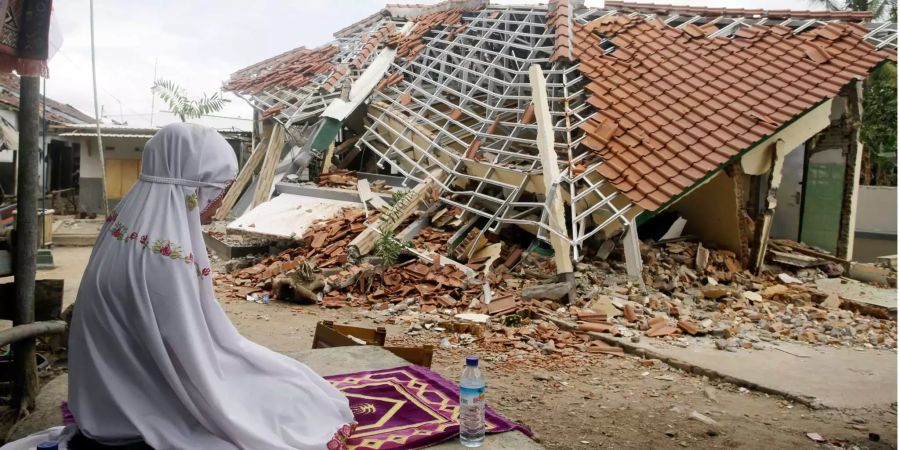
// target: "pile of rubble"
[[512, 301]]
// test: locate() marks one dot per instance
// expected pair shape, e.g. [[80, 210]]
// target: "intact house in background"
[[743, 122], [72, 160], [63, 161], [123, 149]]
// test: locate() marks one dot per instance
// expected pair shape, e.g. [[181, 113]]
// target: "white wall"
[[877, 210], [786, 222], [7, 156], [121, 148]]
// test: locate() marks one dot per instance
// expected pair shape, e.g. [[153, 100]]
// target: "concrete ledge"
[[822, 377]]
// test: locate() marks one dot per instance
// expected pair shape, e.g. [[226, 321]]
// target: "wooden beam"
[[25, 379], [557, 217], [243, 178], [764, 226], [267, 172], [344, 146], [364, 242], [326, 164]]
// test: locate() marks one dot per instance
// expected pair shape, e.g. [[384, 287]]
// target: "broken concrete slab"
[[859, 292], [286, 216]]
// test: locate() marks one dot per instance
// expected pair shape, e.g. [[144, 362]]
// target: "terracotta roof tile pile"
[[347, 179], [326, 244], [665, 9], [673, 105], [292, 70], [559, 20], [433, 287]]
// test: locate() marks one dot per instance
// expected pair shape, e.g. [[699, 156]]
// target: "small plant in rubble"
[[387, 247]]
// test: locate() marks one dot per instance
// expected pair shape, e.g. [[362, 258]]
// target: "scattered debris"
[[815, 437]]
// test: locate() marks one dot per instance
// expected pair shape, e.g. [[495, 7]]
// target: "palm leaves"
[[184, 107]]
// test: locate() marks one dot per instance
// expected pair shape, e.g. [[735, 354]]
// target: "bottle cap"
[[48, 445], [472, 361]]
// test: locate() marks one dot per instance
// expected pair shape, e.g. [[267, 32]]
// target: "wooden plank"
[[366, 195], [557, 217], [365, 241], [326, 164], [243, 178], [267, 172]]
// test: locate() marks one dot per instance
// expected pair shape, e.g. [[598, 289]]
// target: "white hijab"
[[152, 355]]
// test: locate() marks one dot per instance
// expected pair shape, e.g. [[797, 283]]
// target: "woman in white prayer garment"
[[153, 359]]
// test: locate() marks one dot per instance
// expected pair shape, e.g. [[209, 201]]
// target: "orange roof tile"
[[292, 69], [656, 8], [559, 20], [689, 104]]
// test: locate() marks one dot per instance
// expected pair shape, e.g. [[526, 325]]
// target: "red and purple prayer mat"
[[406, 407]]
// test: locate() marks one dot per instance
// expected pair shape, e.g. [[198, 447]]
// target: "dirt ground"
[[585, 401], [594, 401]]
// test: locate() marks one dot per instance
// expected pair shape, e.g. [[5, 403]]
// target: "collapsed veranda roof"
[[628, 105]]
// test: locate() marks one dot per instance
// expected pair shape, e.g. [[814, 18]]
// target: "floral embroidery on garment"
[[339, 440], [160, 247], [167, 249]]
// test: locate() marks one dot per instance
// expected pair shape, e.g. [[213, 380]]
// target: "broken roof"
[[639, 85], [674, 104]]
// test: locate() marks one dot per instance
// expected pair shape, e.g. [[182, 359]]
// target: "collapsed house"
[[578, 124]]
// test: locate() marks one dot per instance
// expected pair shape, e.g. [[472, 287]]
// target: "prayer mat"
[[406, 407]]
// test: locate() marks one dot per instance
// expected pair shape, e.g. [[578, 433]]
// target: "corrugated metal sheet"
[[115, 135]]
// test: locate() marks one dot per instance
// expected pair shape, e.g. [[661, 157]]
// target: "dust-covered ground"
[[581, 400], [593, 401]]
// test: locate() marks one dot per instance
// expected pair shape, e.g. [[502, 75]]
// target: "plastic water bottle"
[[471, 404]]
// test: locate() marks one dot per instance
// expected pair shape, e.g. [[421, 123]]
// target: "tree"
[[184, 107], [879, 127], [879, 122], [880, 9]]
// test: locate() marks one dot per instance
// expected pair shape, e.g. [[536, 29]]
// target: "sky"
[[199, 43]]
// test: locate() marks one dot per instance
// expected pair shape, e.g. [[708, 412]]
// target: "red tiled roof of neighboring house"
[[56, 111], [292, 69], [657, 8], [560, 21], [674, 105]]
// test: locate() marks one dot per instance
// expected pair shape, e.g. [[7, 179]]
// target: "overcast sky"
[[198, 43]]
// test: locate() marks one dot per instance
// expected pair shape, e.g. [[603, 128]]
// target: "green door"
[[823, 194]]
